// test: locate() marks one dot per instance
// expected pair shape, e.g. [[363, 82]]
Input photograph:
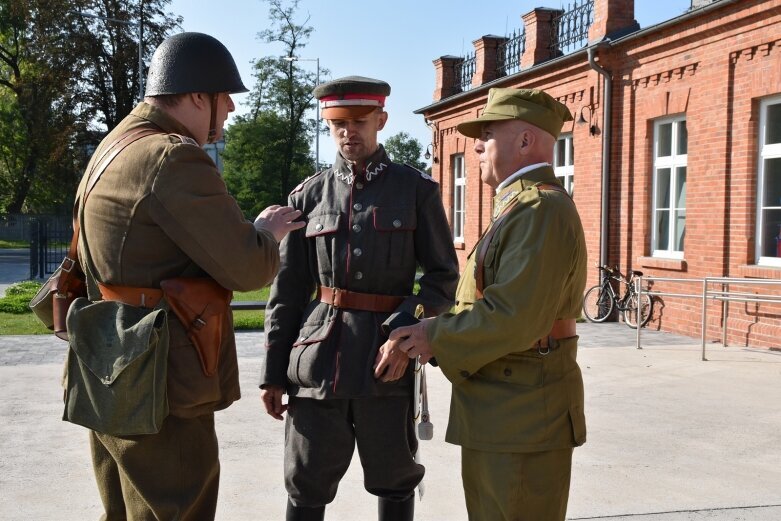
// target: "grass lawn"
[[13, 244], [23, 322]]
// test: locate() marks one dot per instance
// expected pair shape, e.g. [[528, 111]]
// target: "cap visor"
[[473, 128], [349, 112]]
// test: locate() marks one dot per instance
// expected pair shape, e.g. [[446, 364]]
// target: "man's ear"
[[526, 141], [382, 120], [200, 100]]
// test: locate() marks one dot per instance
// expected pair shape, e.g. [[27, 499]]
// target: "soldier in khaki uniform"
[[509, 349], [161, 210], [371, 224]]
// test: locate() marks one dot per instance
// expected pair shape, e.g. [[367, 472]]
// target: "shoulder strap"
[[485, 242], [98, 167]]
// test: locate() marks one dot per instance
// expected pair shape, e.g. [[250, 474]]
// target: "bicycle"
[[600, 300]]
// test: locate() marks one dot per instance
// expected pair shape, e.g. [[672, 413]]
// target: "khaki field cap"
[[351, 97], [531, 105]]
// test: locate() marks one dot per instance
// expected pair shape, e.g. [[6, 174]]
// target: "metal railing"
[[724, 295], [465, 69], [570, 29], [508, 54]]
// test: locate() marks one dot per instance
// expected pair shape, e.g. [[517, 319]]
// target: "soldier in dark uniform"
[[161, 210], [370, 223], [510, 347]]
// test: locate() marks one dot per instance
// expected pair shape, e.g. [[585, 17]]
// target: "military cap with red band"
[[351, 97]]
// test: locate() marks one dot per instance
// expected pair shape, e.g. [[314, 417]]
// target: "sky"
[[394, 41]]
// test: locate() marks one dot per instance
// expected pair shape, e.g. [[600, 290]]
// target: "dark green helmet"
[[192, 62]]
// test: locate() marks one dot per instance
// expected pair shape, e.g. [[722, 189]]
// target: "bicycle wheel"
[[597, 304], [646, 310]]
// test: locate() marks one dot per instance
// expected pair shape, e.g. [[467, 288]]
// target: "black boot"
[[295, 513], [403, 510]]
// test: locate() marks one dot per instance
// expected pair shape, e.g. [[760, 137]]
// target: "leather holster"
[[202, 306]]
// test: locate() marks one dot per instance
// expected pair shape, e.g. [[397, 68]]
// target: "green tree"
[[252, 162], [403, 148], [284, 88]]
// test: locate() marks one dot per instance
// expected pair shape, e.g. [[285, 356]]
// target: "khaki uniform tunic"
[[161, 210], [506, 396]]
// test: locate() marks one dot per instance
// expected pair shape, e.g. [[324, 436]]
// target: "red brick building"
[[674, 157]]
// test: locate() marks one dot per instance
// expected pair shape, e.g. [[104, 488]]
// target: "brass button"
[[358, 275], [397, 223], [318, 227], [357, 207], [357, 252], [356, 228]]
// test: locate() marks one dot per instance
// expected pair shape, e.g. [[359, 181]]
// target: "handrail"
[[723, 295]]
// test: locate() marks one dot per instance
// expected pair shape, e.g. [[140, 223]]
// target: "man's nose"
[[479, 146], [231, 106]]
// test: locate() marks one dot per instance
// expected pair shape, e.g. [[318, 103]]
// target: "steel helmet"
[[192, 62]]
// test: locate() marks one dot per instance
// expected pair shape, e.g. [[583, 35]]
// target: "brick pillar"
[[486, 58], [445, 70], [612, 19], [539, 35]]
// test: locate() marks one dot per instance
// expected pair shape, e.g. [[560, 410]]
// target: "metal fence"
[[570, 29], [464, 72], [709, 293], [49, 242], [508, 58]]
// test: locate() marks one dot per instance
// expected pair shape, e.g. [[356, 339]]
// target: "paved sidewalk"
[[671, 438]]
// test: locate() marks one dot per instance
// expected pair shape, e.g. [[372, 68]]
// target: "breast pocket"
[[396, 230], [322, 229]]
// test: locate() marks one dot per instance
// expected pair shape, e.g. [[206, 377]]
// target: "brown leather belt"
[[564, 328], [341, 298], [131, 295]]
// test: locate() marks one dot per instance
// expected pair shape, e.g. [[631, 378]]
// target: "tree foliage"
[[268, 169], [61, 73], [403, 148]]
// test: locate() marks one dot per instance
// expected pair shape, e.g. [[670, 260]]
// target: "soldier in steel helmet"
[[510, 347], [161, 210], [370, 223]]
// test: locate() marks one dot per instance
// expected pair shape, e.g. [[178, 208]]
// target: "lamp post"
[[317, 105], [140, 26]]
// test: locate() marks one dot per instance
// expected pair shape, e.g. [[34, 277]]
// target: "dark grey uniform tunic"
[[366, 232]]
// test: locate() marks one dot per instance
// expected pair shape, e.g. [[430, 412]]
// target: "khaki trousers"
[[500, 486], [171, 475]]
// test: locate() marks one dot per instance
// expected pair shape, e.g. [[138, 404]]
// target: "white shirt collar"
[[519, 173]]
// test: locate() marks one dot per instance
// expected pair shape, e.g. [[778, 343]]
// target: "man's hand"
[[279, 221], [390, 363], [272, 399], [412, 340]]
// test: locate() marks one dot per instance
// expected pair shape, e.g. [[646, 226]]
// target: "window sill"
[[759, 272], [662, 264], [459, 246]]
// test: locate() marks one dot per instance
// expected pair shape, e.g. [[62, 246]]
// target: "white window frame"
[[565, 172], [458, 175], [673, 163], [765, 151]]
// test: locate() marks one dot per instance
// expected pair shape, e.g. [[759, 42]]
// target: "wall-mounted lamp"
[[428, 154], [592, 129]]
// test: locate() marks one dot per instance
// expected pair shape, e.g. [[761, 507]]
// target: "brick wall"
[[714, 66]]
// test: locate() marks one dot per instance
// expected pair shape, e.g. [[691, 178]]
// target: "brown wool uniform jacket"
[[161, 210], [366, 232], [507, 397]]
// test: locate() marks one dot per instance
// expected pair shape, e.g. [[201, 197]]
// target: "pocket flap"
[[322, 224], [395, 219], [109, 336], [312, 332]]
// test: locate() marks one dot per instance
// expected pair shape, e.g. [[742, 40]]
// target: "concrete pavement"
[[671, 438]]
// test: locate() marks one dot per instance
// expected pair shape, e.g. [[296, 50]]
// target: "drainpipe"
[[606, 125]]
